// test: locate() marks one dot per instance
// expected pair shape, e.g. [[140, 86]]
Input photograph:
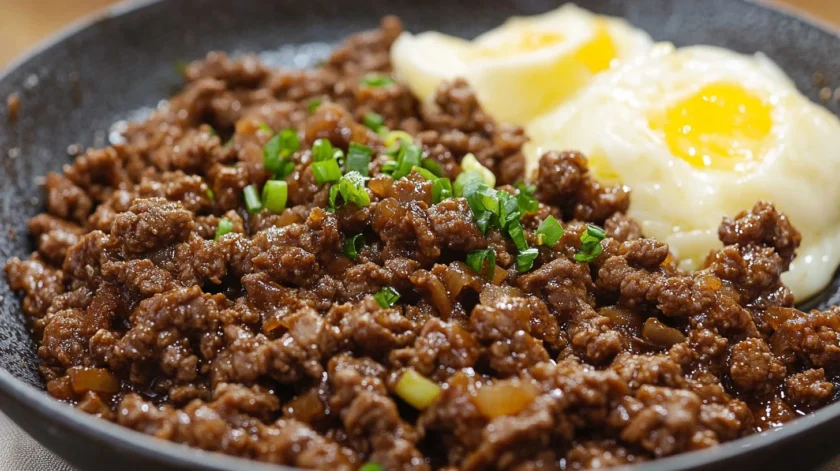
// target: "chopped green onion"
[[416, 389], [426, 174], [252, 199], [358, 158], [278, 149], [441, 190], [396, 138], [371, 466], [313, 105], [388, 167], [525, 259], [353, 245], [377, 80], [387, 297], [470, 164], [225, 227], [509, 209], [464, 179], [529, 190], [408, 158], [274, 195], [527, 203], [266, 129], [322, 150], [549, 232], [483, 261], [484, 221], [351, 187], [326, 171], [374, 121], [210, 193], [433, 166], [591, 248], [518, 235]]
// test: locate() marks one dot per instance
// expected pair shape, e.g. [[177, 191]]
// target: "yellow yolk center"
[[598, 53], [720, 127]]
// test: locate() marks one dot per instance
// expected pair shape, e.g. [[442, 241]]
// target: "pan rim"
[[20, 393]]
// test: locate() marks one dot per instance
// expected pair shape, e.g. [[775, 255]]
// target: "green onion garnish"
[[441, 190], [326, 171], [313, 105], [396, 138], [277, 150], [387, 297], [433, 166], [408, 158], [525, 259], [353, 245], [549, 232], [371, 466], [274, 195], [252, 199], [374, 121], [322, 150], [483, 261], [225, 227], [377, 80], [426, 174], [351, 188], [518, 235], [266, 129], [210, 193], [470, 164], [591, 248], [388, 167], [464, 179], [358, 158]]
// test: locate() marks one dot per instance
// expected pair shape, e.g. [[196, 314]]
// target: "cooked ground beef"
[[268, 343]]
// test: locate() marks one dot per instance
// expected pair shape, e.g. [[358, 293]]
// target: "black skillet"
[[74, 87]]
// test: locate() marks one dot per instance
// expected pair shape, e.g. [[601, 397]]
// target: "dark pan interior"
[[74, 89]]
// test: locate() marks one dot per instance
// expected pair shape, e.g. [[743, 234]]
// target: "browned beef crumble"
[[267, 343]]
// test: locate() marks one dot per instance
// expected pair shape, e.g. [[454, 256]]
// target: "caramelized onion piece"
[[499, 275], [619, 316], [437, 295], [457, 275], [660, 334], [506, 397], [98, 380], [307, 407]]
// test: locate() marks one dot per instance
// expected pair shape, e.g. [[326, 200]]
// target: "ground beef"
[[268, 343]]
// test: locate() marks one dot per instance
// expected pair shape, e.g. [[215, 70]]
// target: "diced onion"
[[416, 389], [506, 397], [98, 380]]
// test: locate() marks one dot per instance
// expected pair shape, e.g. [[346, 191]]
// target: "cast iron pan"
[[73, 88]]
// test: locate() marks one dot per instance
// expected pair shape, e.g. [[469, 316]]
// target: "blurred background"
[[24, 22]]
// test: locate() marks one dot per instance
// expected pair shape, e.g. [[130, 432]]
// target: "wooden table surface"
[[24, 22]]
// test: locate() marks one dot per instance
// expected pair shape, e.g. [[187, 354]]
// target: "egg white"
[[682, 204], [514, 86]]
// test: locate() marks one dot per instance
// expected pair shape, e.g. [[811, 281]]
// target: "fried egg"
[[524, 67], [699, 133]]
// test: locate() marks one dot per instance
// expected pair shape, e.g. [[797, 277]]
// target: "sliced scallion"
[[441, 190], [483, 262], [326, 171], [375, 80], [517, 235], [225, 227], [274, 195], [433, 166], [353, 245], [277, 151], [591, 248], [387, 297], [408, 158], [374, 121], [322, 150], [549, 232], [252, 199], [525, 260], [313, 105], [358, 158]]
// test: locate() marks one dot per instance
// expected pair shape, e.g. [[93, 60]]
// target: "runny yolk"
[[720, 127], [598, 53], [527, 41]]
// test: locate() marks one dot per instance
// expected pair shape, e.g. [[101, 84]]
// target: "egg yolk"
[[599, 52], [524, 42], [721, 127]]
